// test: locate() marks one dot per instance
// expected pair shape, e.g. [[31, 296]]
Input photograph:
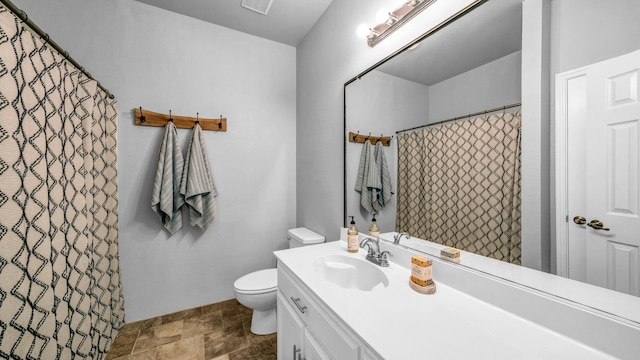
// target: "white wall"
[[329, 56], [379, 103], [488, 86], [160, 60], [588, 31]]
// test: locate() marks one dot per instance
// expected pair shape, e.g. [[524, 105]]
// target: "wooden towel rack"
[[357, 138], [150, 118]]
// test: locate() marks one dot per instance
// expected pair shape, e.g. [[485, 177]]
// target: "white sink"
[[351, 273]]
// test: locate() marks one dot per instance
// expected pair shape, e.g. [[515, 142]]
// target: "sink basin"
[[351, 273]]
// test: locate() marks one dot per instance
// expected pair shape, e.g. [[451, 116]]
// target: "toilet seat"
[[257, 282]]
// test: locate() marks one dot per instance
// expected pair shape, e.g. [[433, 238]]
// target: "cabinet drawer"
[[335, 341]]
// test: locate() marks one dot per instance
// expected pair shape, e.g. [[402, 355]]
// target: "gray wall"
[[486, 87], [379, 103], [160, 60], [588, 31]]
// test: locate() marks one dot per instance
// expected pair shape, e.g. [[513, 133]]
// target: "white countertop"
[[399, 323]]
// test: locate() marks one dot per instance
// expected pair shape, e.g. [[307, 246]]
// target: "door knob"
[[597, 225], [580, 220]]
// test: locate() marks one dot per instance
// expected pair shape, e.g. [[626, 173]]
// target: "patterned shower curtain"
[[459, 185], [60, 292]]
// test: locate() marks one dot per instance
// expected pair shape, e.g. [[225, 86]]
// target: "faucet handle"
[[370, 250], [382, 258]]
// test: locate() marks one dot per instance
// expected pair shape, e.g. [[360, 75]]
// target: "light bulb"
[[382, 15], [363, 30]]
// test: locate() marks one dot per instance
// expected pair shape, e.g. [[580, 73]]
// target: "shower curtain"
[[459, 185], [60, 292]]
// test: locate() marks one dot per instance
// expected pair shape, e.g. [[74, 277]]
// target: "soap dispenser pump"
[[352, 237], [373, 228]]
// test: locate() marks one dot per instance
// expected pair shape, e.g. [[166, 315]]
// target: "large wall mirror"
[[473, 67]]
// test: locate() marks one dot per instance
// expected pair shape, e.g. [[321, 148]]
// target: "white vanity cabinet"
[[307, 330]]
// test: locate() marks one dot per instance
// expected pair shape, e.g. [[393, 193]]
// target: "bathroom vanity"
[[335, 305]]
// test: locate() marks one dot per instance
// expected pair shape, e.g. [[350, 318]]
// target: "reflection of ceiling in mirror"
[[490, 32]]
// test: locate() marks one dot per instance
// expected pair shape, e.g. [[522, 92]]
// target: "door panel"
[[609, 121]]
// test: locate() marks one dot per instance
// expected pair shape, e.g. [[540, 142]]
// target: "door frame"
[[562, 176]]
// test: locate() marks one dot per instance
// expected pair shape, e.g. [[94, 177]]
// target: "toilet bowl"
[[257, 290]]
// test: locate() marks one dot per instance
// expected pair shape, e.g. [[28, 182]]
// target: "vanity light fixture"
[[391, 21]]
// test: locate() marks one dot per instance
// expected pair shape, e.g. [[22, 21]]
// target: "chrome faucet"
[[374, 255], [397, 237]]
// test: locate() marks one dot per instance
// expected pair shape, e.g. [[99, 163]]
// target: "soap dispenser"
[[373, 228], [352, 237]]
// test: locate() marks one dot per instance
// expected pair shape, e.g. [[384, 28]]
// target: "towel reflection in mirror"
[[373, 181]]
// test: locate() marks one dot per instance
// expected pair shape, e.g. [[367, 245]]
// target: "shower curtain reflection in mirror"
[[459, 185]]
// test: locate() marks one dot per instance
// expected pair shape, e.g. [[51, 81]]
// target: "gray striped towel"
[[197, 183], [368, 178], [166, 199], [386, 189]]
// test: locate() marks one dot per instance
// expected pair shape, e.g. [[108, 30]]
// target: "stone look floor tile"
[[122, 345], [158, 335], [233, 312], [189, 349], [139, 325], [219, 331], [202, 324], [181, 315], [223, 357], [145, 355], [262, 351], [224, 341], [211, 308]]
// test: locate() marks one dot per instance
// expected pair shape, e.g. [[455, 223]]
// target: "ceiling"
[[288, 21]]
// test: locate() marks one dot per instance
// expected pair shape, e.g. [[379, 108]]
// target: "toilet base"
[[263, 322]]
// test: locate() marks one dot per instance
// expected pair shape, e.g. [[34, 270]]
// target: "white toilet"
[[257, 290]]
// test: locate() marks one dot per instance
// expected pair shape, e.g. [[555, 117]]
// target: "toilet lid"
[[261, 280]]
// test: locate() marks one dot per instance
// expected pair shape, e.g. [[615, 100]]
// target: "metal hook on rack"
[[170, 118], [142, 117], [220, 122], [197, 118], [367, 138], [355, 137]]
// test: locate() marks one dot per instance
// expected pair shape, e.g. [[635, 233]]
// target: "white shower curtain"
[[60, 292]]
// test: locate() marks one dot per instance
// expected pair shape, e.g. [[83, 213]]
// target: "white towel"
[[197, 183], [166, 199], [368, 178], [386, 190]]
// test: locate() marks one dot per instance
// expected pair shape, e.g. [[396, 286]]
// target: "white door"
[[602, 112]]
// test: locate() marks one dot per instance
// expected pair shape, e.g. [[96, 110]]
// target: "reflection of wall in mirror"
[[380, 104], [384, 104]]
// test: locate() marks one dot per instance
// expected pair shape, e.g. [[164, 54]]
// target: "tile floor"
[[218, 331]]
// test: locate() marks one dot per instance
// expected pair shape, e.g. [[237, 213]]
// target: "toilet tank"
[[302, 236]]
